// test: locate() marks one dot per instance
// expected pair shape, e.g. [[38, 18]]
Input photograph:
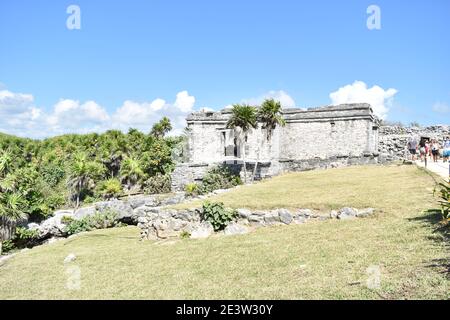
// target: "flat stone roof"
[[325, 113]]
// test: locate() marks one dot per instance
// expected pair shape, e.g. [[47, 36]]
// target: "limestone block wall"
[[309, 140], [393, 139]]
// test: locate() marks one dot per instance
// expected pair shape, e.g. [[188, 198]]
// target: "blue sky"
[[131, 55]]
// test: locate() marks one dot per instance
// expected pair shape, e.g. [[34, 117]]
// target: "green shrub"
[[218, 178], [109, 189], [217, 214], [185, 235], [444, 201], [77, 226], [66, 220], [103, 220], [159, 183], [191, 189], [7, 246], [24, 237]]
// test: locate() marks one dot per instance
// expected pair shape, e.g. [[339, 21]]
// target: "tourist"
[[412, 147], [446, 151], [422, 150], [435, 150]]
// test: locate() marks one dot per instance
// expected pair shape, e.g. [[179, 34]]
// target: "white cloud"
[[284, 98], [441, 107], [19, 115], [358, 92], [184, 102]]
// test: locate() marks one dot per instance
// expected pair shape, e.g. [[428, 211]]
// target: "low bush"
[[191, 189], [159, 183], [109, 189], [185, 235], [444, 201], [103, 220], [217, 214], [218, 178]]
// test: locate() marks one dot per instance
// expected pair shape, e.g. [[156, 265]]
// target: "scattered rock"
[[71, 257], [305, 213], [244, 213], [84, 212], [285, 216], [272, 217], [365, 212], [347, 213], [204, 230], [300, 220], [235, 228], [333, 214]]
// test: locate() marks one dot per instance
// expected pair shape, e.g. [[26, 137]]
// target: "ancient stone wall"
[[393, 139]]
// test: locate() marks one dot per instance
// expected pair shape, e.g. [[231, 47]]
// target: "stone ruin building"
[[322, 137]]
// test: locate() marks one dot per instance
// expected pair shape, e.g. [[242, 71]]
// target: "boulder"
[[204, 230], [244, 213], [299, 220], [304, 213], [53, 227], [347, 213], [234, 228], [272, 217], [84, 212], [123, 209], [285, 216], [365, 212], [333, 214]]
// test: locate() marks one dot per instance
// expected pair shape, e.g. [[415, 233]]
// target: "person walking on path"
[[412, 147], [435, 150], [446, 151]]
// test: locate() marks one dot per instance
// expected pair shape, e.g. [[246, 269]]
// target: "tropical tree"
[[5, 162], [11, 211], [270, 116], [243, 119], [82, 171], [161, 128], [131, 171]]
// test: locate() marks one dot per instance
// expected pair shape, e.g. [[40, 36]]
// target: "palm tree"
[[243, 119], [269, 114], [81, 172], [161, 128], [11, 210], [5, 162], [131, 171]]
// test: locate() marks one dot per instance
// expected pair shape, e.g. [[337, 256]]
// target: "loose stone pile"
[[393, 139], [160, 223]]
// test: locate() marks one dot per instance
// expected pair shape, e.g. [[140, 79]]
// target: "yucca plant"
[[444, 201]]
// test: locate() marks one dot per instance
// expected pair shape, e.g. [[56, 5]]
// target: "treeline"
[[40, 176]]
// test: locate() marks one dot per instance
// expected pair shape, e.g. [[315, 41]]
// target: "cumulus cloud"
[[440, 107], [284, 98], [358, 92], [19, 115]]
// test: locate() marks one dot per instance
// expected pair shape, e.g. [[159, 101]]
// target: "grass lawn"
[[316, 260]]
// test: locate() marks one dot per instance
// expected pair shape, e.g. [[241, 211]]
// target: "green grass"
[[317, 260]]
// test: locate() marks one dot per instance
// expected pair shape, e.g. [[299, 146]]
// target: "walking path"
[[440, 168]]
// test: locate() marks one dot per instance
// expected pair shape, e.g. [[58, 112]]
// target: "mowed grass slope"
[[316, 260]]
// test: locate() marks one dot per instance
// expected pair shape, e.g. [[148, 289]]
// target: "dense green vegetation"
[[39, 176]]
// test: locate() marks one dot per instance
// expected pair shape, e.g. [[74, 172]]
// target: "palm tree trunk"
[[243, 160], [255, 168]]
